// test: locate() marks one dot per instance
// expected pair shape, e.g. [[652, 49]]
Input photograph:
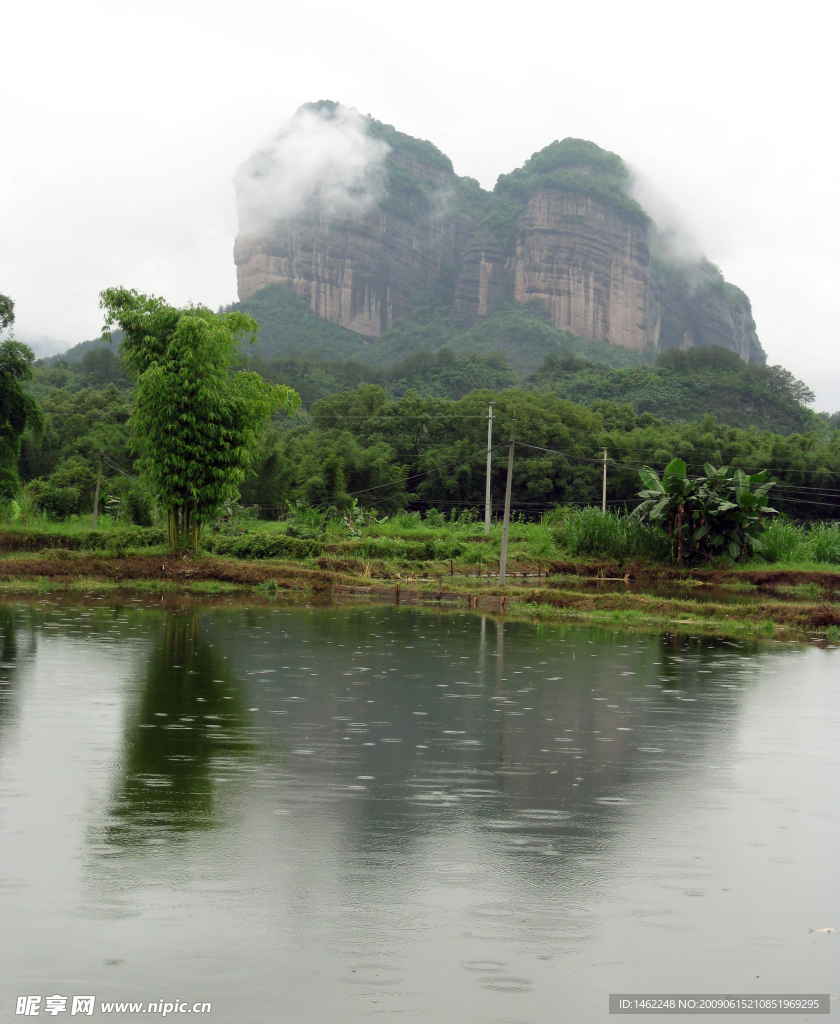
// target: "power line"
[[119, 469], [424, 473], [372, 418], [565, 455]]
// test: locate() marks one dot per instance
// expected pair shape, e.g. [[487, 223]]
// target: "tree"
[[779, 379], [18, 409], [7, 312], [196, 422]]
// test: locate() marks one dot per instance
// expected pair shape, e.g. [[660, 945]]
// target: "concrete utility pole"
[[604, 495], [503, 559], [96, 497], [489, 459]]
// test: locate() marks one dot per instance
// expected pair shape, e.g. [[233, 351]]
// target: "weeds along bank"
[[435, 543]]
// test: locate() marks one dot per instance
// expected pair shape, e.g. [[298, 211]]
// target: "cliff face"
[[360, 274], [562, 230], [586, 263], [365, 271], [698, 308]]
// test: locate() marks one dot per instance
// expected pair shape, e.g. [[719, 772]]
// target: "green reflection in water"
[[8, 636], [8, 661], [188, 722]]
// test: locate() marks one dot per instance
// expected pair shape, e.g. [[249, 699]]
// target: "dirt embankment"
[[764, 579], [176, 570], [692, 604], [804, 616], [59, 565]]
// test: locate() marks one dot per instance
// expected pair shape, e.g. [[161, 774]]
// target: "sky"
[[122, 127]]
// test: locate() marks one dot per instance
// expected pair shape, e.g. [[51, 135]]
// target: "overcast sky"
[[123, 125]]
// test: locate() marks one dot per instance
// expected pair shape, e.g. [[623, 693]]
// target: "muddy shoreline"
[[760, 601]]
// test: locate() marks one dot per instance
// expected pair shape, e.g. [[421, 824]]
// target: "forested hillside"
[[417, 451], [430, 453], [516, 345], [684, 386], [522, 333]]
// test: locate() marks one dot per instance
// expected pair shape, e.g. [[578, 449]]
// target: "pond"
[[300, 813]]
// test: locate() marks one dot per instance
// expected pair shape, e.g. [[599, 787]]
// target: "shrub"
[[443, 550], [126, 537], [264, 545], [57, 502], [720, 513], [406, 520], [79, 473], [138, 506], [92, 540], [305, 521], [396, 548], [435, 519], [466, 516], [129, 503]]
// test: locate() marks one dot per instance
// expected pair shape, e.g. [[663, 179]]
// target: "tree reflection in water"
[[188, 720], [8, 661]]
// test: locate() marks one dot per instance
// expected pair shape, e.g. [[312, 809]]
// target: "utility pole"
[[604, 494], [503, 559], [96, 497], [489, 458]]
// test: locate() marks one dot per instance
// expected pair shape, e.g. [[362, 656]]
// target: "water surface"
[[319, 814]]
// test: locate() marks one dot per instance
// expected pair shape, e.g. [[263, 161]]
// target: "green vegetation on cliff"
[[522, 334], [288, 326], [517, 345], [572, 165]]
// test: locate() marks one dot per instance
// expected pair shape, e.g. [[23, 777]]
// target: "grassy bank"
[[415, 544], [763, 602], [574, 565]]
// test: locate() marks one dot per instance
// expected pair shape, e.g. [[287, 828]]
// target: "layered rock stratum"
[[563, 230]]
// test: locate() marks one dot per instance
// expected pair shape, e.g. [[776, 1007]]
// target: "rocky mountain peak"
[[363, 222]]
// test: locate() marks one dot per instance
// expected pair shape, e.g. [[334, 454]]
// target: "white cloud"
[[321, 155], [124, 124]]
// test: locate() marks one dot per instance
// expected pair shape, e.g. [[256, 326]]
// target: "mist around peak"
[[323, 155]]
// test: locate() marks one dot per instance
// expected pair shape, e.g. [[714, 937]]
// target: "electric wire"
[[427, 472], [783, 491]]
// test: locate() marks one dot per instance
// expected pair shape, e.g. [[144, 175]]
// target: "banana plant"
[[667, 503], [731, 511], [708, 516]]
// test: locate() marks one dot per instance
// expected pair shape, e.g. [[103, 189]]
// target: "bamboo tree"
[[196, 422]]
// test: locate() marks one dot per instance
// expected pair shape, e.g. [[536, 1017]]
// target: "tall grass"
[[589, 531], [783, 541], [409, 537], [823, 542]]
